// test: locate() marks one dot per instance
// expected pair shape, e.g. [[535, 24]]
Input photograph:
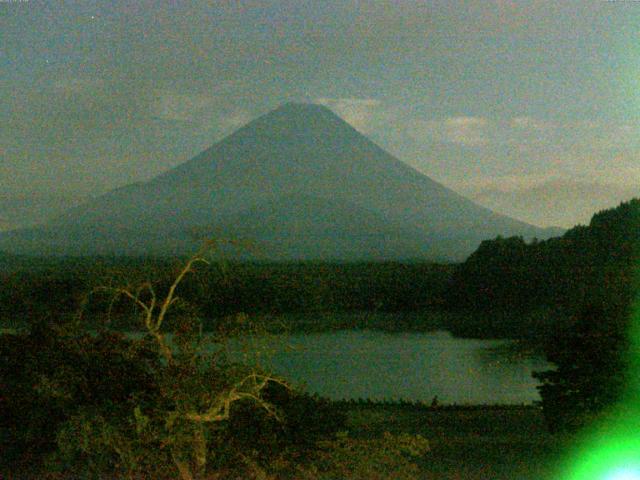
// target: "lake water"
[[411, 366]]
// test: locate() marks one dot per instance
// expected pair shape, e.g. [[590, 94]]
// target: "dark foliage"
[[571, 293], [590, 374], [52, 372], [303, 420], [531, 290], [223, 290]]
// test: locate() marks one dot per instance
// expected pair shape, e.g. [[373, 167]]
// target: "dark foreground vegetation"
[[64, 416], [470, 442], [79, 399], [514, 288], [80, 404]]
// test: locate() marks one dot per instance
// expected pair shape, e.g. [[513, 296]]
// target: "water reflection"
[[412, 366]]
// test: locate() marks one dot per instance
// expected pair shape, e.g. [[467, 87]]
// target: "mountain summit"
[[299, 182]]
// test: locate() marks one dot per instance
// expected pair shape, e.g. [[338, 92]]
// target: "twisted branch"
[[222, 407]]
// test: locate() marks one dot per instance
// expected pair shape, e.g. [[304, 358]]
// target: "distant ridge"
[[298, 181]]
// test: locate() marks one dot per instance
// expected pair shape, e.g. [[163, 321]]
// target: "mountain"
[[300, 182]]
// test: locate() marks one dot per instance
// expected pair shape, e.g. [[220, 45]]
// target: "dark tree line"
[[227, 289], [514, 284]]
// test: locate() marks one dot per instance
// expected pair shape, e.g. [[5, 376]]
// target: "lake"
[[410, 366]]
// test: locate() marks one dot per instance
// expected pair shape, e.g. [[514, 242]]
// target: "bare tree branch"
[[170, 296], [222, 406]]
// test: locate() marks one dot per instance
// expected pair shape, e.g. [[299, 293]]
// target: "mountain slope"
[[297, 170]]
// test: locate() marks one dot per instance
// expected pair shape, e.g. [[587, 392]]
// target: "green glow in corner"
[[611, 450], [615, 455], [630, 473]]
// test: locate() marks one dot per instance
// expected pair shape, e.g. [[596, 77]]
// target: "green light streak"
[[611, 449]]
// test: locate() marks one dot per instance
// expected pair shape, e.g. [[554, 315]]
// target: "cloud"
[[504, 183], [360, 113], [200, 114], [621, 178], [564, 201], [78, 85], [528, 134], [464, 130], [586, 135], [625, 134]]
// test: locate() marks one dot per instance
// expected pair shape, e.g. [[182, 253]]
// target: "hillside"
[[517, 288]]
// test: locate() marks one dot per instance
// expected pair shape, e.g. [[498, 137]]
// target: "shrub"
[[54, 371], [389, 457]]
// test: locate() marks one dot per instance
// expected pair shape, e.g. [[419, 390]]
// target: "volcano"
[[298, 183]]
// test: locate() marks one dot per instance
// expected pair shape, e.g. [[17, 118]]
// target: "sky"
[[484, 96]]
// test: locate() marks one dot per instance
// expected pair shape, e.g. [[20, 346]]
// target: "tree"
[[590, 373], [197, 390]]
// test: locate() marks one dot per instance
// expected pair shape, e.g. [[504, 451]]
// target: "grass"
[[490, 442]]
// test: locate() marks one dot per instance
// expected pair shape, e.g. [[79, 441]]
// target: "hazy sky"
[[96, 94]]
